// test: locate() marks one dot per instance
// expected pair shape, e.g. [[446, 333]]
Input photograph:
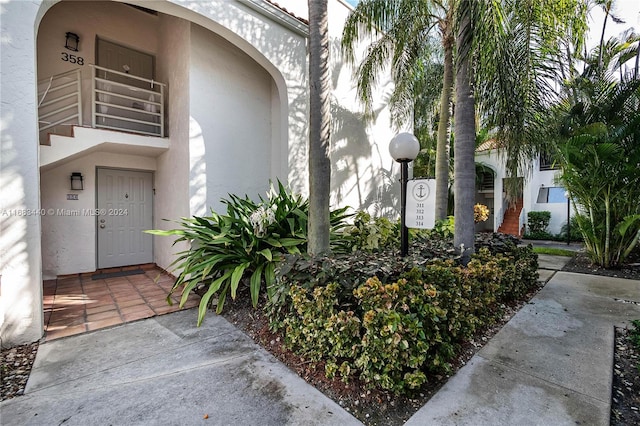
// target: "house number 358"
[[72, 58]]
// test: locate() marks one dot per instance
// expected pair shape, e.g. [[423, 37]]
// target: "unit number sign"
[[421, 212], [73, 59]]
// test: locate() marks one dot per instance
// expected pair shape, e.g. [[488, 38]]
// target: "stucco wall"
[[231, 105], [546, 178], [68, 241], [172, 176], [20, 264]]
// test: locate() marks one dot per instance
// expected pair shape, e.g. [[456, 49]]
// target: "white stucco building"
[[161, 107], [539, 191]]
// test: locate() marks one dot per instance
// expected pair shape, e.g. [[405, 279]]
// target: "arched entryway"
[[212, 119]]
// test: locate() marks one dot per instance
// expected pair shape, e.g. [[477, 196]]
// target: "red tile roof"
[[304, 21]]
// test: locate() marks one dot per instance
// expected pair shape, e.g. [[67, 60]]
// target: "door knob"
[[102, 225]]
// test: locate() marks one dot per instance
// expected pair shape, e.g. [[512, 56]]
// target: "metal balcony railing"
[[59, 101], [126, 102], [119, 101]]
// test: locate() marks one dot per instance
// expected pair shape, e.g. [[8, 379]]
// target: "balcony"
[[127, 116], [119, 102]]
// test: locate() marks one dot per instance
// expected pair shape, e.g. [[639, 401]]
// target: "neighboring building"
[[165, 107], [539, 192]]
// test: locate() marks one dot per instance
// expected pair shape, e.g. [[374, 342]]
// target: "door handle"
[[102, 225]]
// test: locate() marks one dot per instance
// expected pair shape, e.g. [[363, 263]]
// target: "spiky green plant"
[[242, 245]]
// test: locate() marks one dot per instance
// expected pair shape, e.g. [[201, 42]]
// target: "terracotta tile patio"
[[77, 304]]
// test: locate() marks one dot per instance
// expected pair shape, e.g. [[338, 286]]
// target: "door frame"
[[153, 210]]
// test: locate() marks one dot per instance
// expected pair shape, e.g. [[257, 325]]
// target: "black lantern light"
[[77, 181], [72, 41]]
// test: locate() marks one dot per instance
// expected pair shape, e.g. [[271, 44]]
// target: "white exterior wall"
[[69, 242], [532, 184], [493, 161], [20, 262], [237, 84], [546, 178], [172, 177], [230, 107]]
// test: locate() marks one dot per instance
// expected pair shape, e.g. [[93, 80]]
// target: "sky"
[[628, 10]]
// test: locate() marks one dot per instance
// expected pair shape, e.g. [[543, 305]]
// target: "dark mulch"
[[15, 366], [582, 264], [625, 401]]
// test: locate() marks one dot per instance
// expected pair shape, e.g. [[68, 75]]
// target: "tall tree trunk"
[[319, 128], [607, 9], [636, 70], [442, 148], [464, 142]]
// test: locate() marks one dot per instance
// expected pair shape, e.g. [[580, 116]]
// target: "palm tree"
[[506, 51], [319, 128], [464, 147], [405, 30], [505, 56]]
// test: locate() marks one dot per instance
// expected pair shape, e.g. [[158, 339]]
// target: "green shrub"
[[367, 234], [634, 337], [247, 242], [444, 228], [574, 234], [406, 319], [537, 222]]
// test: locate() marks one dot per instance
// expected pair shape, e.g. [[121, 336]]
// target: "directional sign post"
[[420, 211]]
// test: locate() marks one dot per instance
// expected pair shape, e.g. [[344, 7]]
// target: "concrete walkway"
[[551, 364], [166, 371]]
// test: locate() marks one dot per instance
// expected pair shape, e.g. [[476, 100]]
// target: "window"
[[547, 162], [551, 195]]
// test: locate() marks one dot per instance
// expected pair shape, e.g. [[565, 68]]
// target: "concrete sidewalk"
[[551, 364], [166, 371]]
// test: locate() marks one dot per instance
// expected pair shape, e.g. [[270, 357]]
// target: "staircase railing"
[[521, 220], [498, 218], [122, 101], [59, 101]]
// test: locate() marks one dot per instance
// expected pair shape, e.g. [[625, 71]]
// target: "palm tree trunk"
[[319, 128], [442, 148], [637, 68], [607, 8], [464, 142]]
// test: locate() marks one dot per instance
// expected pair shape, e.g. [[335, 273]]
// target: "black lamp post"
[[404, 148], [566, 194]]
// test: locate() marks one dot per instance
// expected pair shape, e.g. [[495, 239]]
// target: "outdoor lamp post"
[[404, 148], [566, 194]]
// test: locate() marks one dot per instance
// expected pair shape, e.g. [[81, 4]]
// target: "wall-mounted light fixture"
[[72, 41], [77, 181]]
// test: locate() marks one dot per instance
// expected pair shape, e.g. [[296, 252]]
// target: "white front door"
[[124, 211]]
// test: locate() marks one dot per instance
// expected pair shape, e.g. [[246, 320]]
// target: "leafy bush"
[[599, 154], [538, 222], [574, 232], [390, 322], [367, 234], [480, 213], [248, 241], [444, 228]]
